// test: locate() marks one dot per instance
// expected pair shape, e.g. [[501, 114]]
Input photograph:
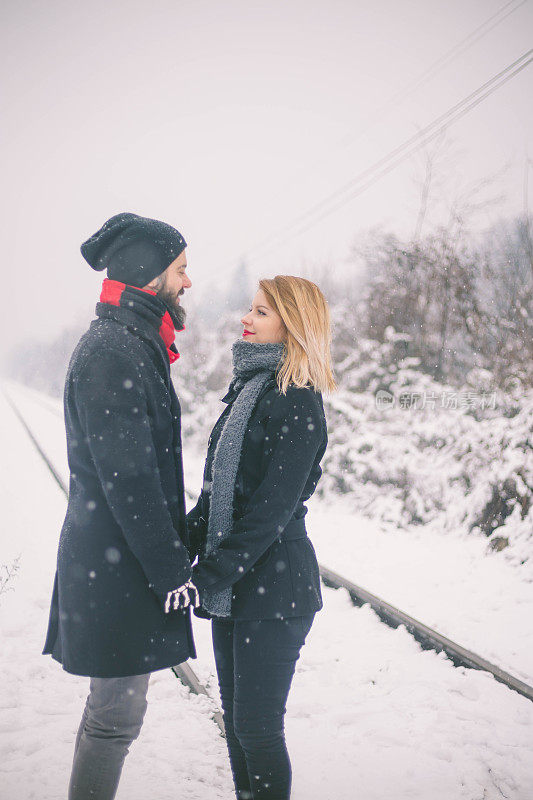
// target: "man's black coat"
[[268, 558], [123, 544]]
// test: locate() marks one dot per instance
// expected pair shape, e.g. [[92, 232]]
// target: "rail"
[[389, 614]]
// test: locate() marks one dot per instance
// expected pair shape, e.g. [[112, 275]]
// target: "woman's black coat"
[[268, 558], [123, 544]]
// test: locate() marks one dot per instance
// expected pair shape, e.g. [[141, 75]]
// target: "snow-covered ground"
[[371, 714]]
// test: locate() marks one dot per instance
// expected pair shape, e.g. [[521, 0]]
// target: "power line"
[[385, 164], [429, 138], [413, 139], [427, 134], [443, 61], [448, 57]]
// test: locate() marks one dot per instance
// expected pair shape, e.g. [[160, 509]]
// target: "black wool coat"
[[268, 558], [124, 542]]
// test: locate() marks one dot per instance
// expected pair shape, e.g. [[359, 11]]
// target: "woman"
[[257, 572]]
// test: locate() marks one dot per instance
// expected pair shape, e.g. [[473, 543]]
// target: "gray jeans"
[[111, 720]]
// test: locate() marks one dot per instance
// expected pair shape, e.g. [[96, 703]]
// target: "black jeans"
[[255, 664]]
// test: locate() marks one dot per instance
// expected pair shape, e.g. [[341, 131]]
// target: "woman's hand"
[[182, 597]]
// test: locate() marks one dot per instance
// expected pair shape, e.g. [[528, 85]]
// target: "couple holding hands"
[[132, 563]]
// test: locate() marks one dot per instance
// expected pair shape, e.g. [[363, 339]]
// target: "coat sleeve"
[[196, 528], [112, 408], [293, 435]]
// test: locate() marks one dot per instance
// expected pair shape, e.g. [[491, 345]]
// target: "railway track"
[[427, 637]]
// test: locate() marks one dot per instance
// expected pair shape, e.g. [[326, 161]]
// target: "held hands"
[[183, 597]]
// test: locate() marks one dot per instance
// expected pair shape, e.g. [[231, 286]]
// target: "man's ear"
[[155, 283]]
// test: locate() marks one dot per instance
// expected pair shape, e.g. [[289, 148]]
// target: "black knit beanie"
[[134, 249]]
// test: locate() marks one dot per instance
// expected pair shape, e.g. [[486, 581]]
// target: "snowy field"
[[371, 715]]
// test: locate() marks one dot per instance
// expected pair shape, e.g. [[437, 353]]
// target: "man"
[[121, 601]]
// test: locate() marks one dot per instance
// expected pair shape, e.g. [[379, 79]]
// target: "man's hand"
[[183, 597]]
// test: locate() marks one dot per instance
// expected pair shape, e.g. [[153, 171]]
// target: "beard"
[[178, 315]]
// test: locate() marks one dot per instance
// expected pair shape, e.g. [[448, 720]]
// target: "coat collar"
[[232, 392], [142, 303]]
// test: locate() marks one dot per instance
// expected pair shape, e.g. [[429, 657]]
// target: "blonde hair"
[[305, 314]]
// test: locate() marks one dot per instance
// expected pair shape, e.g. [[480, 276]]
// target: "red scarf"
[[112, 292]]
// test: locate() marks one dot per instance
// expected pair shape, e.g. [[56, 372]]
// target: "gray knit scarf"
[[253, 365]]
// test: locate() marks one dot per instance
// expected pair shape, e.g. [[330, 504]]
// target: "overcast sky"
[[230, 119]]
